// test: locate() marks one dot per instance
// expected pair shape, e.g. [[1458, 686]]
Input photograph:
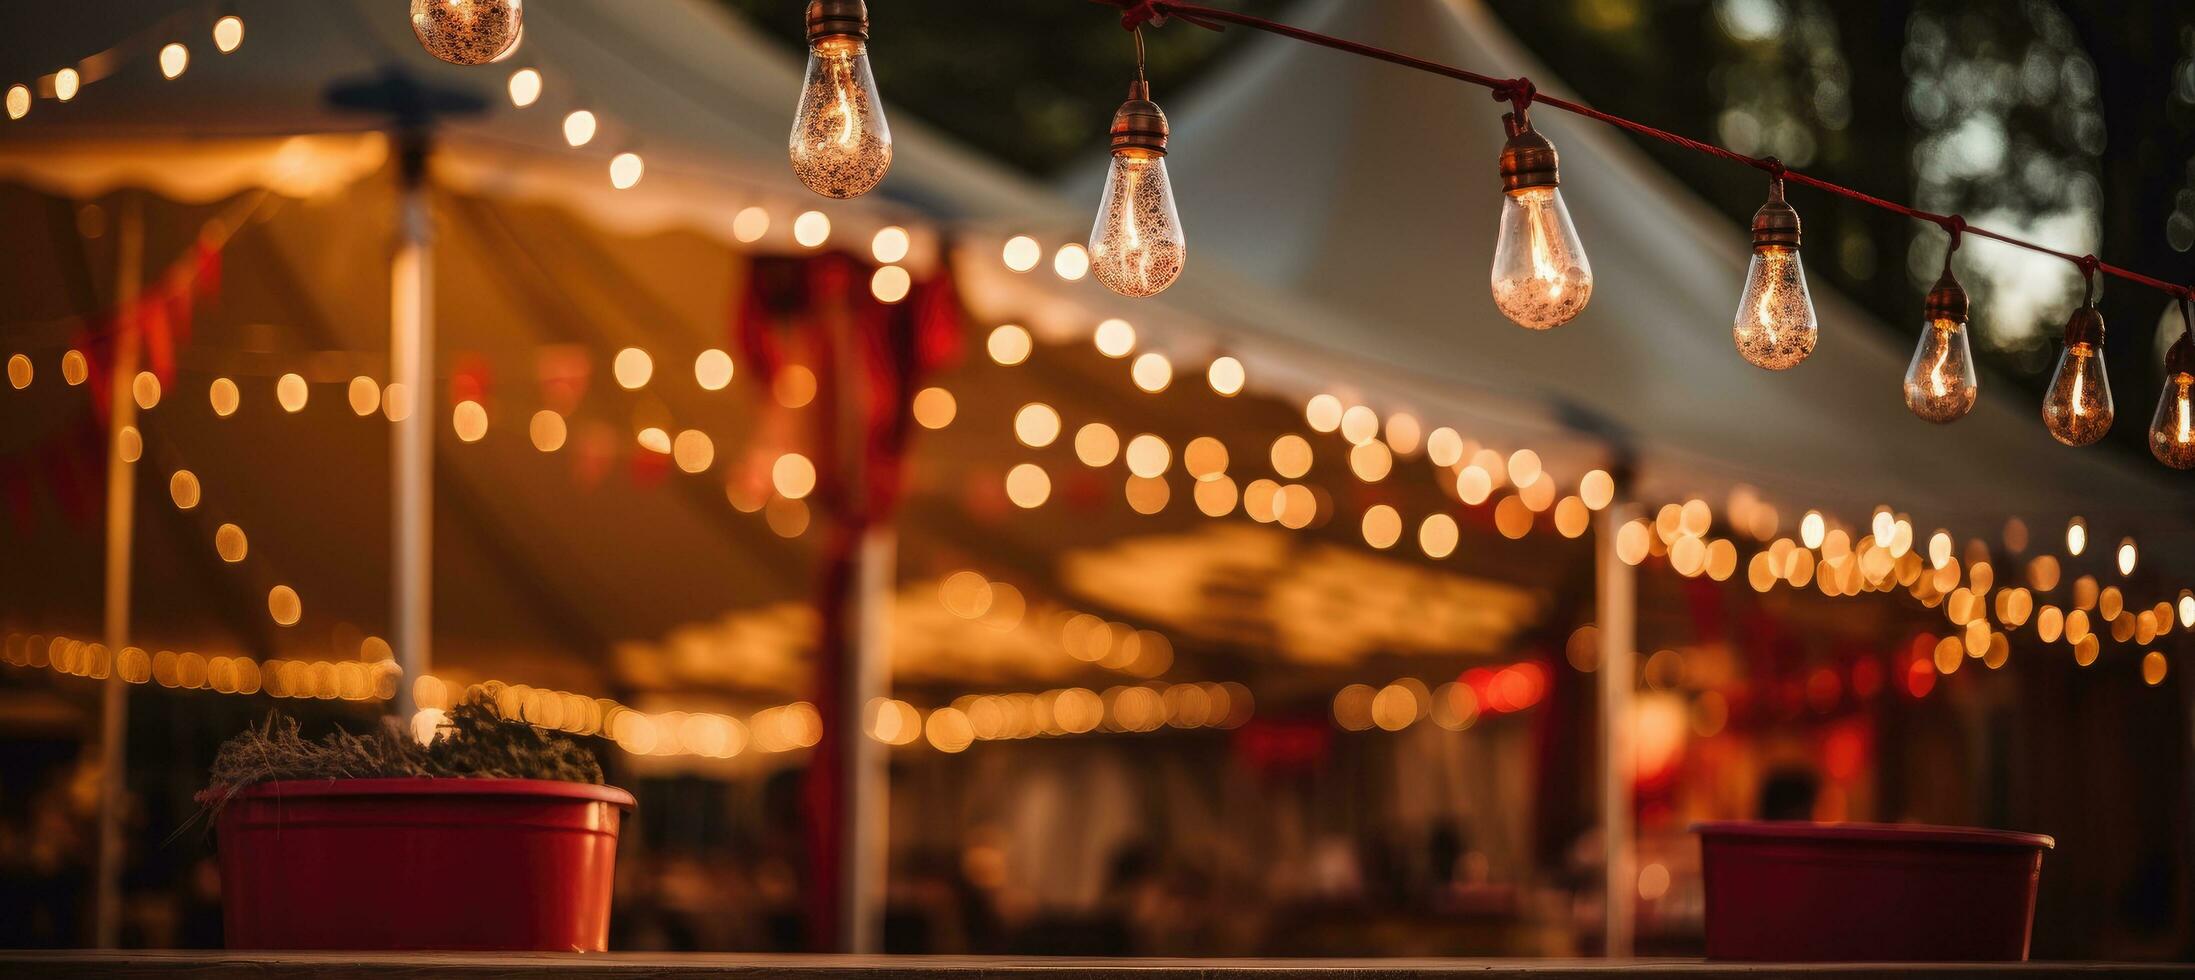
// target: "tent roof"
[[1369, 190]]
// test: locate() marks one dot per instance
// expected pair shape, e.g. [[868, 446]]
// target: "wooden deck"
[[341, 966]]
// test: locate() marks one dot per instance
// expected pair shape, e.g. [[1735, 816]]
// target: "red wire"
[[1521, 92]]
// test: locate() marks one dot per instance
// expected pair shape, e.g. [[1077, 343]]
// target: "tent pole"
[[865, 826], [114, 694], [1618, 616], [411, 443]]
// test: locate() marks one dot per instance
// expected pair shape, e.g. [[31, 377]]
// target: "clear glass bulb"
[[1775, 326], [841, 145], [1940, 385], [2078, 410], [1136, 246], [1541, 277], [469, 32], [2172, 432]]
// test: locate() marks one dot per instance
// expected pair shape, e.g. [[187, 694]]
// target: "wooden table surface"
[[82, 963]]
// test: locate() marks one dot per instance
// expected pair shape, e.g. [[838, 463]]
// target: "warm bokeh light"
[[365, 396], [292, 392], [1812, 529], [174, 59], [1382, 526], [1359, 424], [1022, 253], [228, 33], [284, 605], [579, 127], [546, 430], [224, 397], [793, 476], [750, 224], [525, 87], [1444, 447], [811, 229], [1009, 344], [1225, 375], [1291, 456], [2076, 537], [692, 450], [229, 542], [66, 83], [183, 489], [890, 284], [2126, 557], [145, 388], [891, 244], [794, 387], [632, 367], [1071, 262], [1114, 338], [1148, 456], [1096, 444], [470, 419], [1036, 425], [626, 169], [934, 408], [1438, 536], [1152, 372], [1323, 413], [1027, 485]]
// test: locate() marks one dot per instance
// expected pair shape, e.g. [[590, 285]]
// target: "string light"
[[18, 101], [841, 145], [1940, 385], [2172, 429], [469, 32], [890, 245], [525, 87], [228, 33], [626, 170], [2077, 410], [1021, 253], [1541, 277], [174, 58], [811, 229], [66, 82], [1136, 245], [1775, 326], [579, 128], [1225, 375]]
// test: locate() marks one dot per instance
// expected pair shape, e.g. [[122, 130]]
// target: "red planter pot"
[[1803, 892], [386, 864]]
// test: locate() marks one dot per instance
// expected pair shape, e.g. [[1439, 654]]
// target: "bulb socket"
[[1777, 222], [837, 18], [2180, 357], [2085, 326], [1528, 160], [1946, 299], [1140, 125]]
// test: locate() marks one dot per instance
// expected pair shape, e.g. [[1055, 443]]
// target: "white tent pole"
[[114, 703], [1617, 598], [866, 825], [411, 443]]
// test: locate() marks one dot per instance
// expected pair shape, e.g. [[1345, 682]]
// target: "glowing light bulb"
[[1775, 327], [1939, 384], [2078, 410], [2172, 429], [1541, 277], [1136, 246], [469, 32], [841, 145]]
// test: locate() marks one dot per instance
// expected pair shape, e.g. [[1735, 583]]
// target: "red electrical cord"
[[1520, 92]]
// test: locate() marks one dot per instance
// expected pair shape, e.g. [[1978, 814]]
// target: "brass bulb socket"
[[1527, 160], [837, 18], [1946, 299], [2086, 326], [1777, 222], [1139, 126]]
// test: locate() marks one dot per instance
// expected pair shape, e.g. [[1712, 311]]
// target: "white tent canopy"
[[1371, 190], [1345, 259]]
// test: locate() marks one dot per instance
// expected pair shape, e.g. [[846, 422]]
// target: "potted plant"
[[490, 835]]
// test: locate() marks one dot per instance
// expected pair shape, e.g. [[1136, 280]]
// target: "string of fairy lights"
[[1981, 613], [841, 147]]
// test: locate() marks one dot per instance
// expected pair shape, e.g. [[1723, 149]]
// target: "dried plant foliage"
[[474, 742]]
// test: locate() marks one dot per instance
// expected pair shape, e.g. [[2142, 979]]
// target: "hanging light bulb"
[[1541, 277], [469, 32], [1940, 385], [841, 145], [1136, 245], [2078, 410], [1775, 327], [2172, 430]]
